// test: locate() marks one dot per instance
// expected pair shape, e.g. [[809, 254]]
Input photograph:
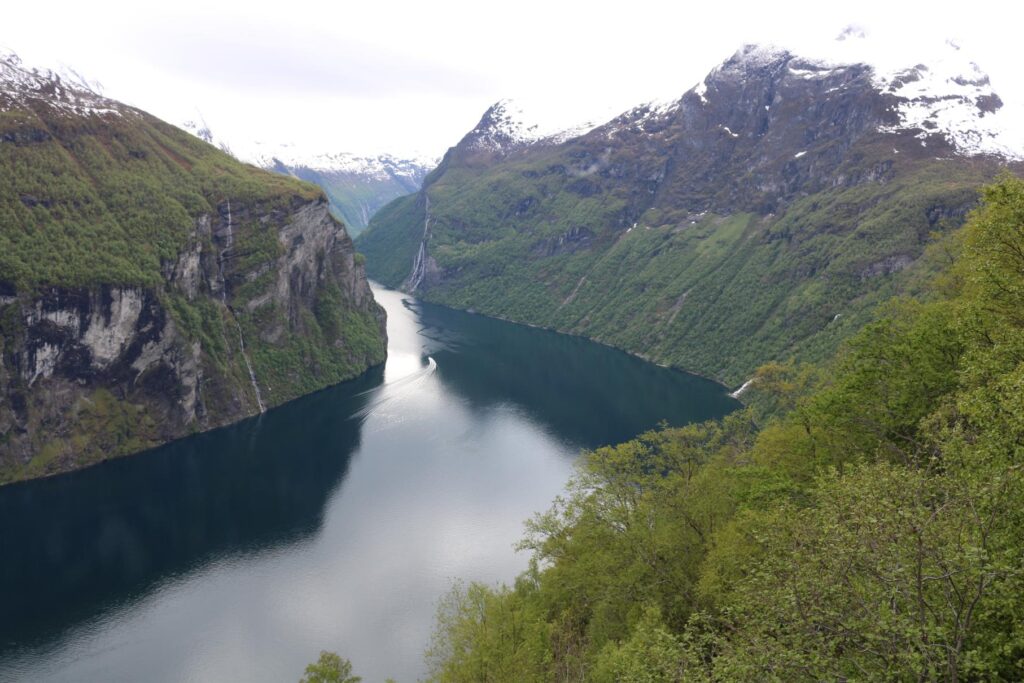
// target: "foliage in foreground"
[[330, 668], [860, 521]]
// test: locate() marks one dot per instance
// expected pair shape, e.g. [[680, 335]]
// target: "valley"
[[355, 505], [719, 386]]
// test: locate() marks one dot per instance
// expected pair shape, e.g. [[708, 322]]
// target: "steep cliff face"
[[95, 372], [760, 216], [151, 286]]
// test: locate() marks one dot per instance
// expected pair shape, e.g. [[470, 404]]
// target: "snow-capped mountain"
[[377, 167], [357, 186], [60, 87], [508, 124], [940, 97], [778, 192], [945, 95]]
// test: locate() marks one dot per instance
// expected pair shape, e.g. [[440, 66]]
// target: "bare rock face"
[[91, 373]]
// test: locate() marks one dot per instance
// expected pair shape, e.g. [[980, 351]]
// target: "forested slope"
[[859, 521]]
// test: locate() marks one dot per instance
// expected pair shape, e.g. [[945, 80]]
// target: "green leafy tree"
[[330, 668]]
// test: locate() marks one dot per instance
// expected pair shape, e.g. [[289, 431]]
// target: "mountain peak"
[[939, 92], [756, 56], [62, 87], [508, 124]]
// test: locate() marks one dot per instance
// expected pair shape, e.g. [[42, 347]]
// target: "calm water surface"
[[334, 522]]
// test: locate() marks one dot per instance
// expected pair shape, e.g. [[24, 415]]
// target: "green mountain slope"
[[760, 217], [859, 520], [151, 285]]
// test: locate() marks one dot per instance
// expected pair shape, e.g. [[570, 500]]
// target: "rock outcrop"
[[94, 372]]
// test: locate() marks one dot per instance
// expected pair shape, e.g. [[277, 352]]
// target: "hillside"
[[152, 286], [760, 216], [858, 521]]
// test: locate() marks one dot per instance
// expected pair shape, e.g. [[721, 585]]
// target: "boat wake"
[[397, 389]]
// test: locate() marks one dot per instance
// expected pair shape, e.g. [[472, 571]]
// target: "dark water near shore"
[[334, 522]]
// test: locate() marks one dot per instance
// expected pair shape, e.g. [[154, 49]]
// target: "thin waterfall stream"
[[419, 266], [228, 243]]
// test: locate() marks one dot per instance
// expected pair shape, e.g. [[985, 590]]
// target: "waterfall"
[[419, 264], [228, 243]]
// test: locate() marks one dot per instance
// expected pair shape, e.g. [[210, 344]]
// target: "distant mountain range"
[[759, 216], [357, 186]]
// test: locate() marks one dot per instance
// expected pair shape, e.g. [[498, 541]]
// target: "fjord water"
[[334, 522]]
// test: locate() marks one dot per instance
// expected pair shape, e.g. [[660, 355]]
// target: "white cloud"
[[414, 76]]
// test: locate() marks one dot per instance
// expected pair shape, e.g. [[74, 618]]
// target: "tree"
[[330, 668]]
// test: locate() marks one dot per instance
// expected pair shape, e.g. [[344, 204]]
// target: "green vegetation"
[[355, 196], [88, 202], [330, 668], [335, 344], [392, 250], [859, 520], [714, 293]]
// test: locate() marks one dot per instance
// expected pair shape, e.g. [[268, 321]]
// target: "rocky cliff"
[[151, 286]]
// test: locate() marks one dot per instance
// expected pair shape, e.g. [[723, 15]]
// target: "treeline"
[[859, 520]]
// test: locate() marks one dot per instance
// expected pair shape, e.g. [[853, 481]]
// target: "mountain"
[[760, 216], [356, 186], [152, 286]]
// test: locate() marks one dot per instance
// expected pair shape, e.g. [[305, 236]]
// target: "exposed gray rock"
[[86, 357]]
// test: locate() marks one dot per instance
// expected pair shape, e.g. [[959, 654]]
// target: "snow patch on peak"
[[758, 55], [701, 91], [508, 124], [9, 55], [313, 157], [61, 87], [379, 167], [644, 118], [938, 89], [953, 97]]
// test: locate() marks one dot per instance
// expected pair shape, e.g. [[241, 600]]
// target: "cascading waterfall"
[[419, 264], [228, 243]]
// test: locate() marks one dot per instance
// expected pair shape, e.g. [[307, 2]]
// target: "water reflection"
[[334, 522], [74, 544], [587, 393]]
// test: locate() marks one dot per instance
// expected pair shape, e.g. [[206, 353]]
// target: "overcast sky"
[[412, 77]]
